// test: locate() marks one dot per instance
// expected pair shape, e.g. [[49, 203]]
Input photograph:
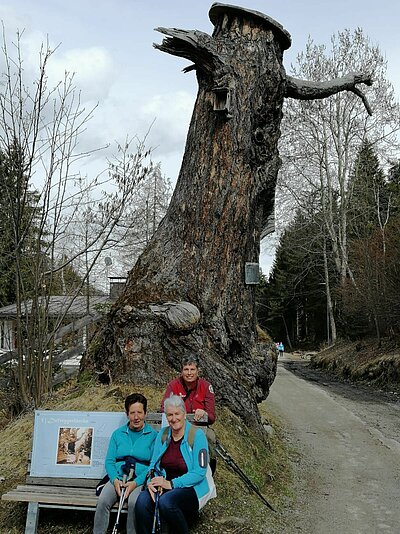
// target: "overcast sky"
[[108, 44]]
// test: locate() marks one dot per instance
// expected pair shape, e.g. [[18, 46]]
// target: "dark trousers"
[[178, 507]]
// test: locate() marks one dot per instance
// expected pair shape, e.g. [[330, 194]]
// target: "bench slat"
[[89, 483], [50, 498], [56, 490], [78, 498]]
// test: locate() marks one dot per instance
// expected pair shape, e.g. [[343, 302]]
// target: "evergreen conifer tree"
[[368, 193], [19, 208]]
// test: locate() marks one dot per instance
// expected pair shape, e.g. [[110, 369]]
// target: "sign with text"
[[72, 444]]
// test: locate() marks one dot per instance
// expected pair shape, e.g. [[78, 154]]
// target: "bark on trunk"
[[187, 291]]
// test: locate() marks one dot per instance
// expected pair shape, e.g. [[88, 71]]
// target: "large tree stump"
[[187, 291]]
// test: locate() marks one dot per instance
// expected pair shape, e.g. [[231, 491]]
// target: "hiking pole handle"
[[131, 472]]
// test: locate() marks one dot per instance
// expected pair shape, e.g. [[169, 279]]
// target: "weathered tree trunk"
[[187, 291]]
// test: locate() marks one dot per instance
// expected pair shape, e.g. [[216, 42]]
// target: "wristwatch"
[[172, 484]]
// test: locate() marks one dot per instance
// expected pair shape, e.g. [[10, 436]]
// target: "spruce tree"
[[367, 193], [18, 224], [292, 304]]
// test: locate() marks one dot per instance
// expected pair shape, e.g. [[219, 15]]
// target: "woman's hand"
[[158, 484], [198, 414], [118, 484], [161, 482], [130, 486]]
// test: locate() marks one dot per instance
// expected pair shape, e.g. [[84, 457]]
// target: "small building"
[[58, 308], [73, 313]]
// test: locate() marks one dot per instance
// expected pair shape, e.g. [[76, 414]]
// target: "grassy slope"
[[363, 361], [235, 509]]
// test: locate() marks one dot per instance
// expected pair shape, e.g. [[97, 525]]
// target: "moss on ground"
[[235, 510]]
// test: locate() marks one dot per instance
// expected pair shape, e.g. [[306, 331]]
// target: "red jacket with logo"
[[200, 397]]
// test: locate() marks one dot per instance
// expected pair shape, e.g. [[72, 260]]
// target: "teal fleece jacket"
[[196, 475], [121, 445]]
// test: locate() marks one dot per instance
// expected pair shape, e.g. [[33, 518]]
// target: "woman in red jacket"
[[197, 393]]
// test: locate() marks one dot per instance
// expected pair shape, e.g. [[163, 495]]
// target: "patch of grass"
[[265, 462], [236, 508], [263, 336], [363, 361]]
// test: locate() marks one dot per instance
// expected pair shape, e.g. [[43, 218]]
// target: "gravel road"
[[346, 453]]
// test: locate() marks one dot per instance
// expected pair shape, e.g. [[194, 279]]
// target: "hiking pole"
[[156, 519], [125, 479], [223, 453], [121, 504]]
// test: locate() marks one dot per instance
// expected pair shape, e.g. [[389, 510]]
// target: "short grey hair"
[[190, 358], [176, 401]]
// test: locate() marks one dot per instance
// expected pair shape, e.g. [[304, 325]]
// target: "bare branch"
[[309, 90]]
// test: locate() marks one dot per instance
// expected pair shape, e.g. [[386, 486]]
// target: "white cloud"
[[10, 18], [165, 118], [93, 70], [92, 66], [171, 112]]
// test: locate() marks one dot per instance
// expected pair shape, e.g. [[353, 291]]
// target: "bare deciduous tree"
[[40, 129], [321, 139]]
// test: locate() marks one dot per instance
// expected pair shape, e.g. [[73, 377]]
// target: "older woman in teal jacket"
[[133, 441], [178, 470]]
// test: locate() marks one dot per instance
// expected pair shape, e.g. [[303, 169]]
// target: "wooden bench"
[[62, 492]]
